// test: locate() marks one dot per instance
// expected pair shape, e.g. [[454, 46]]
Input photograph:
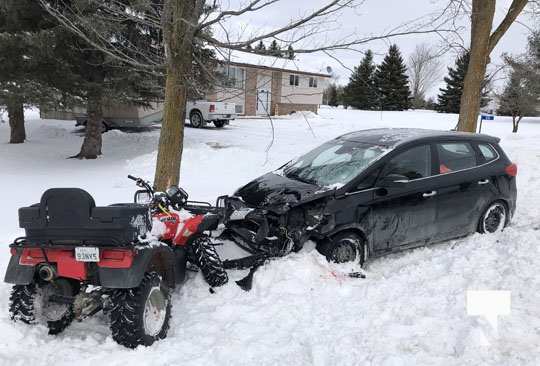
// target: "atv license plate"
[[87, 254]]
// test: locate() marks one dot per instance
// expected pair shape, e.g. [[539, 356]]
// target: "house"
[[261, 85], [256, 84]]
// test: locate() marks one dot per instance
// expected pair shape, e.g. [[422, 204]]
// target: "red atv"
[[78, 259]]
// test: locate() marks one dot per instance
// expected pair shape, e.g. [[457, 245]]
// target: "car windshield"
[[334, 163]]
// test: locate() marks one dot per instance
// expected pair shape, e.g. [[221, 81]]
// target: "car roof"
[[393, 137]]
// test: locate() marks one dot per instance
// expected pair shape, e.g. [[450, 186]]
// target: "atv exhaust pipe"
[[47, 272]]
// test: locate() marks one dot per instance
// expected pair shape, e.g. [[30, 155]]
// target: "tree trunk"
[[179, 19], [481, 23], [16, 121], [515, 123], [91, 147], [171, 138]]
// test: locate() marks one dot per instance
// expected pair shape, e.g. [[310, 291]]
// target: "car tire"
[[29, 303], [141, 315], [196, 119], [494, 218], [343, 248], [220, 123]]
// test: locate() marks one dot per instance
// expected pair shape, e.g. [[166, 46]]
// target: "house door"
[[264, 94]]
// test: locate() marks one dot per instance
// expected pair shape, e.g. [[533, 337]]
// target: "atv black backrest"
[[69, 207], [70, 216]]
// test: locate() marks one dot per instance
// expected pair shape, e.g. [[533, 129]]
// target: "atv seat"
[[70, 216]]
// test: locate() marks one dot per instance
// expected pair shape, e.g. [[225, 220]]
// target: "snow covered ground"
[[411, 309]]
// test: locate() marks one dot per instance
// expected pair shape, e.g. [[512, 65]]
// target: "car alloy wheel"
[[494, 219]]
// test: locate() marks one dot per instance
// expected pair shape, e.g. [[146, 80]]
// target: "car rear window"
[[488, 152], [454, 156]]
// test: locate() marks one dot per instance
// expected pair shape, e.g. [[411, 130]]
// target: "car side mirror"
[[142, 197], [393, 180]]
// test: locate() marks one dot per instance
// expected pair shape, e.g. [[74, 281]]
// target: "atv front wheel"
[[33, 304], [141, 315], [204, 255]]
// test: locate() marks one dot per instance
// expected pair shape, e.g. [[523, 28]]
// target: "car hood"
[[277, 190]]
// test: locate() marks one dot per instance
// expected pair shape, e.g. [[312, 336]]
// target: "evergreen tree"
[[392, 82], [360, 92], [290, 52], [260, 47], [449, 99], [521, 95], [274, 49], [518, 98], [332, 95], [67, 68], [26, 66]]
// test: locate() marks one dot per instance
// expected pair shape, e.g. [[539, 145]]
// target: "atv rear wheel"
[[141, 315], [343, 248], [32, 304], [204, 255]]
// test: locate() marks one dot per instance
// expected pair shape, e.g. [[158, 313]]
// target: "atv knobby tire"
[[204, 256], [128, 325], [24, 307]]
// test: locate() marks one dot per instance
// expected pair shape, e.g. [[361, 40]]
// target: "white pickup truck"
[[198, 112], [202, 112]]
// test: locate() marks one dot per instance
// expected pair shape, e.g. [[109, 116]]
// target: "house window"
[[239, 109], [312, 82], [233, 77], [294, 80]]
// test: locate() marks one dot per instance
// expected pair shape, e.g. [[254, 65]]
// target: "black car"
[[371, 192]]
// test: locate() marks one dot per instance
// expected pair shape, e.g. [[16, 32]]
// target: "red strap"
[[443, 169]]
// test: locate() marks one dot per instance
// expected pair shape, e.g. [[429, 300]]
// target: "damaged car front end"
[[278, 212]]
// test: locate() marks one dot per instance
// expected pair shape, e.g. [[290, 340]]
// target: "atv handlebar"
[[141, 183]]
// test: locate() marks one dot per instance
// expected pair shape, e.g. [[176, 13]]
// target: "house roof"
[[300, 64]]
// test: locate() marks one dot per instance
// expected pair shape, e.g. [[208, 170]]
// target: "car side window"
[[487, 152], [454, 156], [414, 163], [369, 180]]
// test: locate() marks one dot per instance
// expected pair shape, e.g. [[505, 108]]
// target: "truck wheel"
[[219, 124], [196, 119], [204, 255], [343, 248], [31, 304], [141, 315]]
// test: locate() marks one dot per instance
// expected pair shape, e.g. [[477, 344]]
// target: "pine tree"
[[521, 95], [260, 47], [360, 92], [392, 82], [28, 67], [449, 99], [290, 52], [47, 65], [274, 49], [332, 95]]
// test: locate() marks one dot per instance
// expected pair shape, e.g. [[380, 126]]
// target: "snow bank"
[[411, 308]]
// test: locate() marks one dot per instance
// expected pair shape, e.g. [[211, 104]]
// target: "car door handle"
[[483, 181], [429, 194]]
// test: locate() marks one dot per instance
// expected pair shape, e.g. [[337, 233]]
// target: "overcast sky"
[[373, 17]]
